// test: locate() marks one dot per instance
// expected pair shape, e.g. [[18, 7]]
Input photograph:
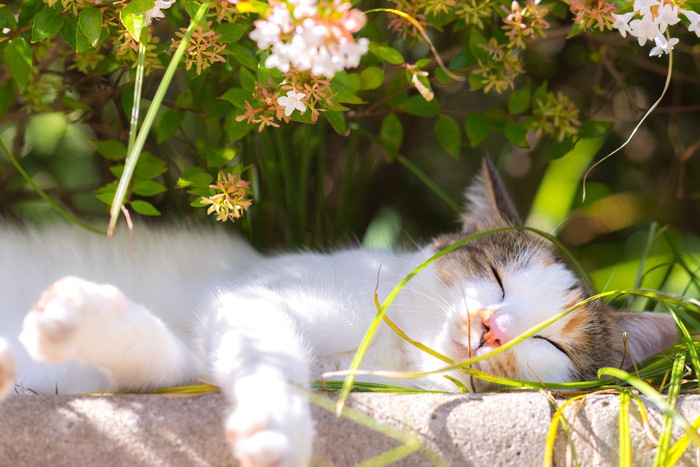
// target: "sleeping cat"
[[185, 304]]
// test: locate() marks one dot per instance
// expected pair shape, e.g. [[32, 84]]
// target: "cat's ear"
[[488, 204], [647, 333]]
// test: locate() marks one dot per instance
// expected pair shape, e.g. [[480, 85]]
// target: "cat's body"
[[199, 304]]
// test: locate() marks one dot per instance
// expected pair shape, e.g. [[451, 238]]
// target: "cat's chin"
[[460, 351]]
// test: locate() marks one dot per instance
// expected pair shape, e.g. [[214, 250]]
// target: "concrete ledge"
[[465, 430]]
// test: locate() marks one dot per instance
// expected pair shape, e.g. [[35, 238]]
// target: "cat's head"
[[498, 286]]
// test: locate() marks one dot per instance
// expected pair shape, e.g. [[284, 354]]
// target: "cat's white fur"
[[179, 304]]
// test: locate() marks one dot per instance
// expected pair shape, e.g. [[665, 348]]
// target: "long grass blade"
[[625, 438], [557, 418], [133, 156], [662, 453]]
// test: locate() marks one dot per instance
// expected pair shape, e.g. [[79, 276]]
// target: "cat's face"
[[499, 286]]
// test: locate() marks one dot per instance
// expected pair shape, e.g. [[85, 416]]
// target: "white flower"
[[291, 102], [644, 6], [694, 19], [644, 29], [667, 16], [304, 8], [307, 39], [156, 12], [266, 33], [622, 23], [663, 46]]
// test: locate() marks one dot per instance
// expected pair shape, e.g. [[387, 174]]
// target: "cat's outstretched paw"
[[7, 369], [265, 433], [68, 317]]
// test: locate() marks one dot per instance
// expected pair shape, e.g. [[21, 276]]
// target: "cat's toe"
[[258, 441], [7, 369], [62, 322], [263, 449]]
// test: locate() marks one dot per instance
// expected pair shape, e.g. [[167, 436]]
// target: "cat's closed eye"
[[553, 344], [499, 280]]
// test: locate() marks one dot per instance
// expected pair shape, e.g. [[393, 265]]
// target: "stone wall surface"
[[456, 430]]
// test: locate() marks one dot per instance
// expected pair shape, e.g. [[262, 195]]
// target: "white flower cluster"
[[306, 36], [649, 21], [156, 12]]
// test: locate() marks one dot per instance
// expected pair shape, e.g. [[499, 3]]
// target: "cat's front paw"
[[7, 369], [265, 433], [68, 317]]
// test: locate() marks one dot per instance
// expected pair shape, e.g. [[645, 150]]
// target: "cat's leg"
[[79, 320], [7, 369], [259, 359]]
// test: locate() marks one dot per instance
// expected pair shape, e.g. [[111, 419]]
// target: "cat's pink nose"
[[494, 335]]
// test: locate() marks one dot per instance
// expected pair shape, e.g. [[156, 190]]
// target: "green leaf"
[[519, 101], [192, 7], [18, 58], [476, 40], [391, 131], [144, 208], [248, 80], [236, 130], [106, 193], [148, 188], [149, 167], [418, 106], [46, 25], [345, 87], [90, 25], [7, 18], [110, 149], [594, 128], [133, 16], [477, 128], [217, 157], [194, 177], [68, 31], [448, 135], [539, 97], [337, 121], [372, 77], [230, 32], [169, 123], [476, 81], [515, 132], [244, 56], [386, 53], [237, 97], [27, 12]]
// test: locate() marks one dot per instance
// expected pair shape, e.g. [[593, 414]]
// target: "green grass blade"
[[138, 87], [662, 453], [133, 156], [557, 418], [655, 398], [625, 438], [62, 212], [678, 449]]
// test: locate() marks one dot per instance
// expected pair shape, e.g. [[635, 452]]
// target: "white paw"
[[7, 369], [271, 431], [70, 315]]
